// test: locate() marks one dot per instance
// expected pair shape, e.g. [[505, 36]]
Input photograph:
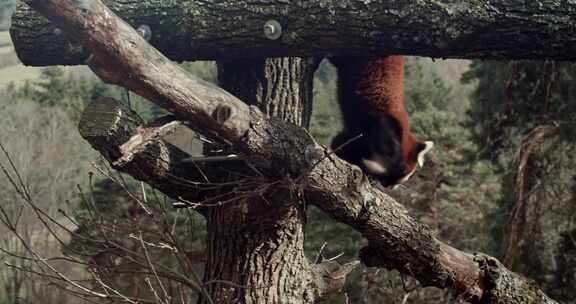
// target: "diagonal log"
[[285, 151]]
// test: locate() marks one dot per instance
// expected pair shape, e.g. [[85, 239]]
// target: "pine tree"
[[522, 115]]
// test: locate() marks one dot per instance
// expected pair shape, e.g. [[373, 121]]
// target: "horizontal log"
[[206, 30]]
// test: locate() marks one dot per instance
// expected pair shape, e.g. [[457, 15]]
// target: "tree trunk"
[[255, 244], [255, 253], [192, 30]]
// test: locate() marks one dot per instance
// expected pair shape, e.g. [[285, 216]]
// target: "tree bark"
[[255, 252], [257, 242], [192, 30], [291, 161]]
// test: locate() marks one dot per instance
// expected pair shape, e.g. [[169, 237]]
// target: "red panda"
[[371, 98]]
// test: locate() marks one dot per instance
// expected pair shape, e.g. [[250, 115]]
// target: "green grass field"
[[5, 37], [5, 43], [18, 74]]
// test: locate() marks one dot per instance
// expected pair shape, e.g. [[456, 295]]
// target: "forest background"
[[501, 178]]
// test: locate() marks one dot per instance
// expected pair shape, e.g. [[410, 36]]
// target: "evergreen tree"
[[448, 199], [522, 115], [52, 88]]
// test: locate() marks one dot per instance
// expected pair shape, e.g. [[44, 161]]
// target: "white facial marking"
[[407, 176], [428, 146], [373, 167]]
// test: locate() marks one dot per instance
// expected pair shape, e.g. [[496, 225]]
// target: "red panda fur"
[[371, 97]]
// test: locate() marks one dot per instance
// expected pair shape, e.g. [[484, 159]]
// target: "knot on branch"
[[501, 285], [490, 268], [222, 113], [491, 274], [277, 148]]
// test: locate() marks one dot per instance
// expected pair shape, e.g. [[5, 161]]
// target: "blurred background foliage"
[[500, 179]]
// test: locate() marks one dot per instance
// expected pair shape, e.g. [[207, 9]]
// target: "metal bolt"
[[145, 31], [272, 29]]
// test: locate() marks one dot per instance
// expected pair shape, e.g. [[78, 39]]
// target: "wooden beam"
[[201, 30]]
